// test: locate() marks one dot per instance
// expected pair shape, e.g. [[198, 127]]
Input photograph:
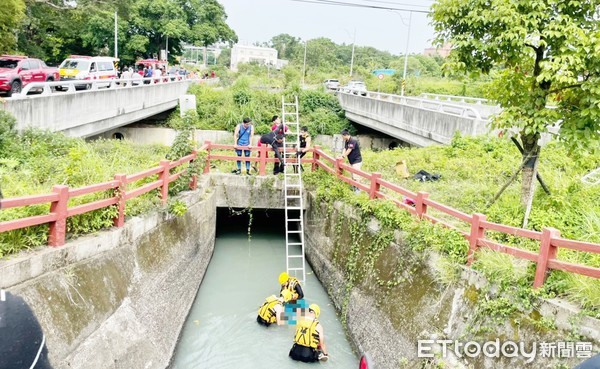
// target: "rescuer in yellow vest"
[[309, 340], [271, 311], [291, 284]]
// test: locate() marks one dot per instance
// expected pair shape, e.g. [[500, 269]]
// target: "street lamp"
[[304, 67], [353, 44], [406, 55], [406, 50]]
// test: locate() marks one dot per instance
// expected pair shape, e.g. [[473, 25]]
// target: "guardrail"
[[464, 99], [71, 86], [549, 238], [425, 104]]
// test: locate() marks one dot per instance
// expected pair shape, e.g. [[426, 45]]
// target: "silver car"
[[356, 87], [332, 84]]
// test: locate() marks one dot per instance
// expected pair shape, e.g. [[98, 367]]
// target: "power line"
[[354, 5], [396, 3]]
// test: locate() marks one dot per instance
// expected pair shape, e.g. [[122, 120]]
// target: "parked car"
[[88, 68], [355, 87], [332, 84], [17, 71]]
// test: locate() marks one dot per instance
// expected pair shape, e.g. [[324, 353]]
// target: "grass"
[[473, 170]]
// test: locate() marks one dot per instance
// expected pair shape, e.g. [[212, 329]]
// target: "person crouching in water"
[[309, 340], [292, 284], [271, 310]]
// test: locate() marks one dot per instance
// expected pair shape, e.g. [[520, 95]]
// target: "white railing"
[[427, 104], [463, 99], [49, 88]]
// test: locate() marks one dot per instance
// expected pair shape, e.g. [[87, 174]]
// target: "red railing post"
[[262, 167], [207, 164], [547, 252], [58, 228], [375, 185], [477, 232], [194, 180], [420, 205], [316, 157], [338, 167], [164, 178], [119, 220]]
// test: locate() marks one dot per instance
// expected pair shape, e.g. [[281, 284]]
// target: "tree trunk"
[[530, 147]]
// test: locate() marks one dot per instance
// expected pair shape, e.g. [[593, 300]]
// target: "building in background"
[[247, 54], [443, 51]]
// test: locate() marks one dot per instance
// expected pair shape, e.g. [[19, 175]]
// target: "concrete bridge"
[[94, 111], [424, 121]]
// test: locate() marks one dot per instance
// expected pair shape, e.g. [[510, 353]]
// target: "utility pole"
[[352, 58], [116, 46], [304, 67], [167, 49], [406, 55]]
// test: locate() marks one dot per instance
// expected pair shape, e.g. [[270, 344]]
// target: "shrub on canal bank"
[[472, 171], [35, 161]]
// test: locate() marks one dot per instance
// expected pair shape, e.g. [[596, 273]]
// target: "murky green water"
[[221, 330]]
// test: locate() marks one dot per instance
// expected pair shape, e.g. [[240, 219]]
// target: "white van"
[[88, 68]]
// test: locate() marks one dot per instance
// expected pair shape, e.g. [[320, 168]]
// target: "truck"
[[17, 71]]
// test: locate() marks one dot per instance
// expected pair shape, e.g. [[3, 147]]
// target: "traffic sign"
[[380, 76]]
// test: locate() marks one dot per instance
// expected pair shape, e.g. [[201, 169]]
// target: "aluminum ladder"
[[294, 220]]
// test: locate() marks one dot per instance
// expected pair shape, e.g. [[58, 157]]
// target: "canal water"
[[221, 331]]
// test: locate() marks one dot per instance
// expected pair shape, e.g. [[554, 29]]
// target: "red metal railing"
[[59, 199], [549, 238]]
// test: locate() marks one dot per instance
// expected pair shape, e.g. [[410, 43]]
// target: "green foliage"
[[7, 132], [177, 208], [38, 160], [540, 53], [223, 109], [11, 14], [472, 170], [52, 30]]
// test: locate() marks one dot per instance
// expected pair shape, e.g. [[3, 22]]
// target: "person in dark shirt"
[[22, 341], [352, 152], [276, 141]]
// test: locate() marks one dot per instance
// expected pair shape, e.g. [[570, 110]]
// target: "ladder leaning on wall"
[[294, 222]]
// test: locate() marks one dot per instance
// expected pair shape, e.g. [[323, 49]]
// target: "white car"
[[356, 87], [331, 84]]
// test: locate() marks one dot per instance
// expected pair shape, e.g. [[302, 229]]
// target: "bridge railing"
[[463, 99], [371, 183], [549, 238], [426, 104], [72, 86]]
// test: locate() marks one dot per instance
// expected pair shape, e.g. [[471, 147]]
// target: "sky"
[[260, 20]]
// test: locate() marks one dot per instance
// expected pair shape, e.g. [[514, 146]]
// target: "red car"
[[17, 72]]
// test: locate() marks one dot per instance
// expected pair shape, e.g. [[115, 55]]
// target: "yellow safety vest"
[[267, 310], [291, 286], [306, 333]]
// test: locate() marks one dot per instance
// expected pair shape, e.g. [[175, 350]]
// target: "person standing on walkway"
[[242, 136], [305, 144], [352, 152], [309, 340]]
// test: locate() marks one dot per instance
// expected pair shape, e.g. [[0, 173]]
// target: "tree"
[[540, 52], [11, 13], [54, 29], [285, 45]]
